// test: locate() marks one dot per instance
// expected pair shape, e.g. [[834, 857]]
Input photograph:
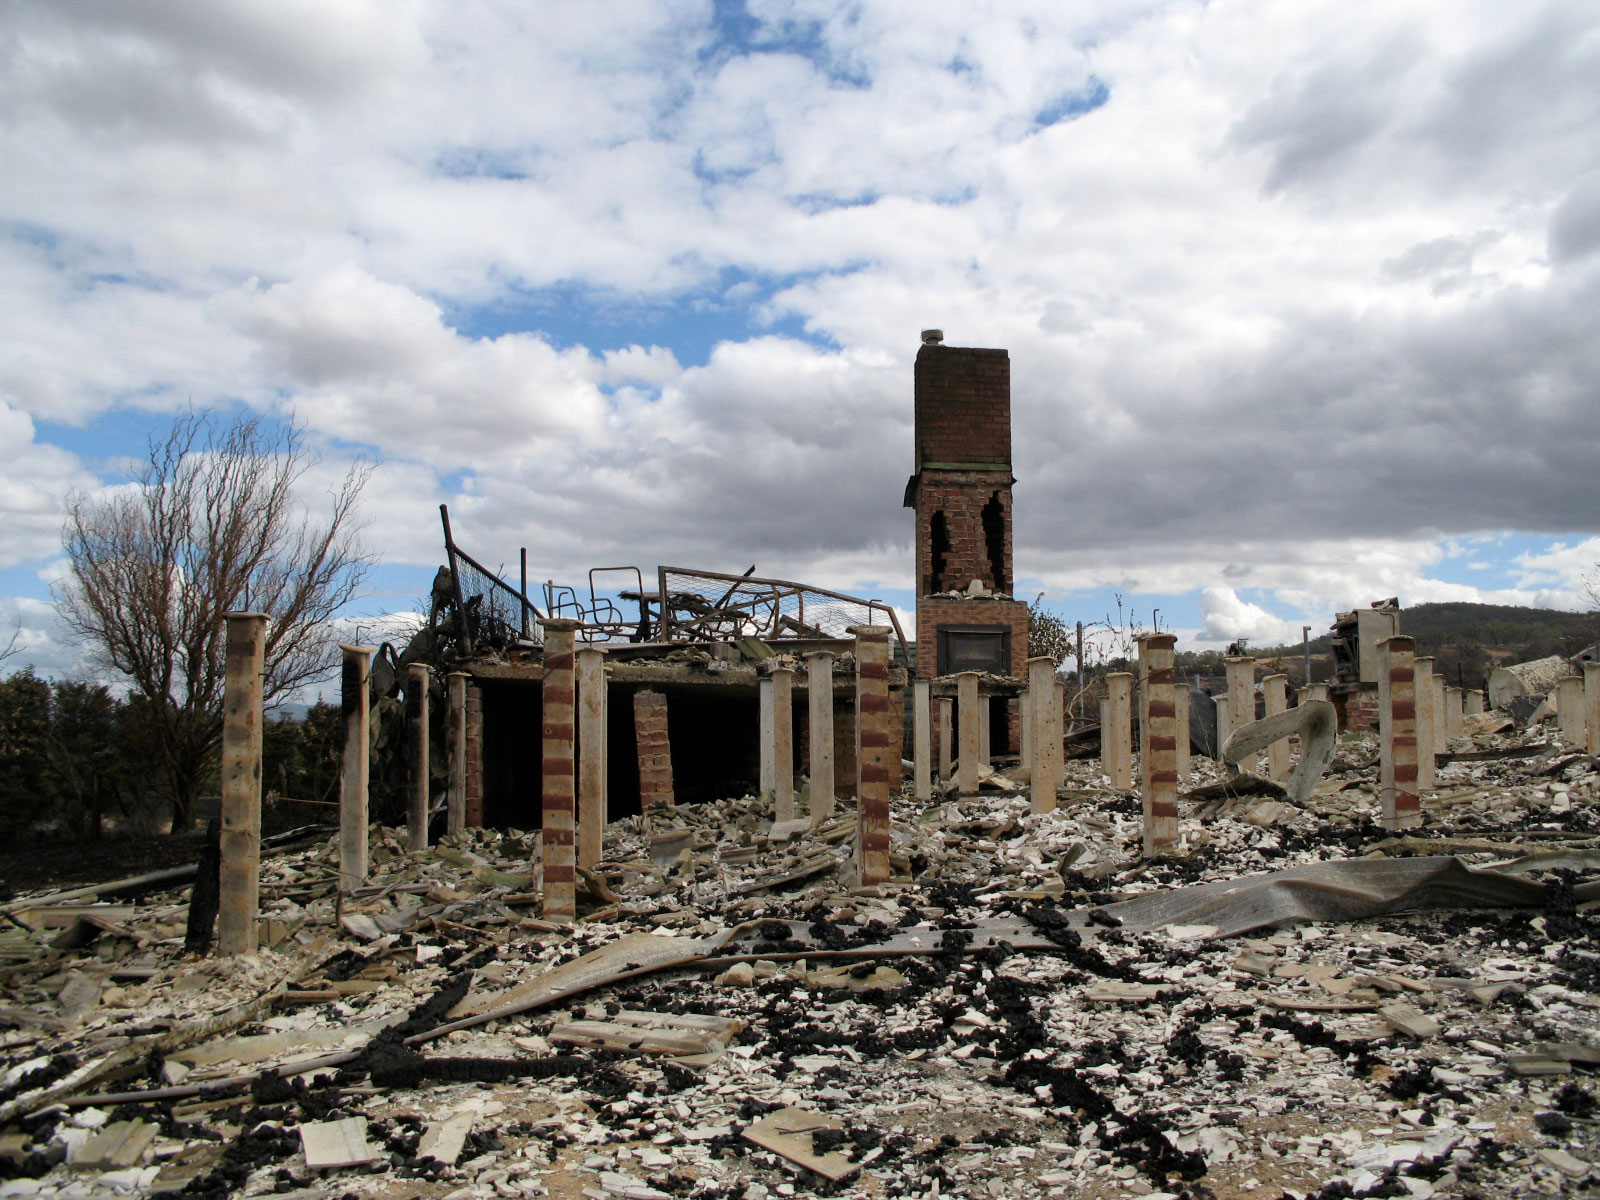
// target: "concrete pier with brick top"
[[1160, 750], [1397, 733], [875, 743]]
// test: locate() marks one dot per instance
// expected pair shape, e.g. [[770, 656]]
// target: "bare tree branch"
[[210, 525], [11, 647]]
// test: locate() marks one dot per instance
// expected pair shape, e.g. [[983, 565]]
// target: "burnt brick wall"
[[963, 405], [960, 496], [654, 748], [933, 612]]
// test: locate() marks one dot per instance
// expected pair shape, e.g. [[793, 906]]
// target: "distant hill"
[[1467, 641], [1533, 632]]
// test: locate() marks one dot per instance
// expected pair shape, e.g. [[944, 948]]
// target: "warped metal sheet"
[[1344, 890]]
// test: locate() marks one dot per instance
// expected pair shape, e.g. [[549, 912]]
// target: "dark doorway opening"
[[513, 754]]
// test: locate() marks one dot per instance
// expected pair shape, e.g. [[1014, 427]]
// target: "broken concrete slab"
[[116, 1147], [789, 1132], [1410, 1020], [444, 1140], [652, 1033], [329, 1145]]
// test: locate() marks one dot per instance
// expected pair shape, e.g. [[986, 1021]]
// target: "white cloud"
[[42, 642], [1310, 293], [34, 484], [1228, 619], [375, 364], [1570, 571]]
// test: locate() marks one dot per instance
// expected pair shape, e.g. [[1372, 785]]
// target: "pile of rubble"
[[1031, 1009]]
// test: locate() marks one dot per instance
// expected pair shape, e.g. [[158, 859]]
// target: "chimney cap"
[[932, 337]]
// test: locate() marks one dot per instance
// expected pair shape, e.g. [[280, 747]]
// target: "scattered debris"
[[1298, 1002]]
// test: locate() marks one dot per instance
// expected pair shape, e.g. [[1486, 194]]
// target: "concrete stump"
[[1045, 718], [1116, 731], [1275, 692], [1454, 710], [767, 733], [1025, 724], [354, 767], [455, 749], [1422, 669], [1241, 671], [967, 706], [1591, 706], [922, 740], [819, 708], [782, 744], [593, 785], [1441, 715], [944, 711], [417, 793], [1180, 698], [1569, 710], [241, 783]]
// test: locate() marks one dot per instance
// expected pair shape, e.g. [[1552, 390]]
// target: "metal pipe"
[[522, 595]]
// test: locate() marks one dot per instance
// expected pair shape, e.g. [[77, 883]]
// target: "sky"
[[1302, 299]]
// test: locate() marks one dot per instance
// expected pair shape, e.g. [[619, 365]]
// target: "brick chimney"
[[961, 491]]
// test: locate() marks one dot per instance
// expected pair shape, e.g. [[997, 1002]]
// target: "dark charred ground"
[[70, 864]]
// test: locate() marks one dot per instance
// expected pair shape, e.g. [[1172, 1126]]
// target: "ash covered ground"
[[984, 1027]]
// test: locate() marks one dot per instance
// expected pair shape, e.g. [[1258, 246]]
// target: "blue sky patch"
[[1070, 105], [691, 325], [737, 33]]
